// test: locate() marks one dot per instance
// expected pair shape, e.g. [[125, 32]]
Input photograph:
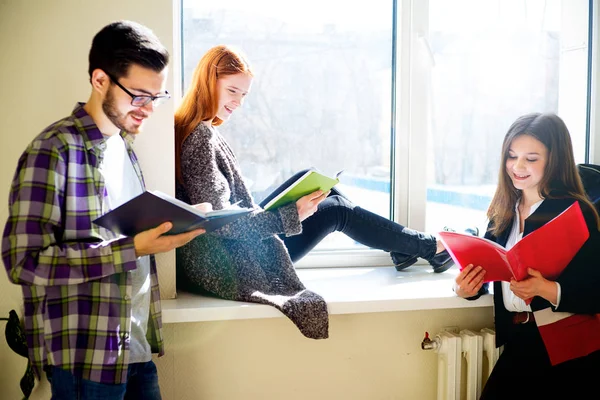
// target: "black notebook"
[[150, 209]]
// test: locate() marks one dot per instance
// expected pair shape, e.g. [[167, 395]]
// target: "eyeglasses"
[[141, 101]]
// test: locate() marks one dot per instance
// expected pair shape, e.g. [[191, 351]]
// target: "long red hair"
[[201, 101]]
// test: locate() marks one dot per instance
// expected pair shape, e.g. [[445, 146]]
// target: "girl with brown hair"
[[538, 180]]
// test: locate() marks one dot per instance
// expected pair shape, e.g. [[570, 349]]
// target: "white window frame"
[[409, 183]]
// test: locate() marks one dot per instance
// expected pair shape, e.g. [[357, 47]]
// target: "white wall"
[[367, 357]]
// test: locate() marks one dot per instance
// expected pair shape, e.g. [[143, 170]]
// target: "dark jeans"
[[338, 213], [142, 384]]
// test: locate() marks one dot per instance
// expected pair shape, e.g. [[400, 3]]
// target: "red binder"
[[568, 336], [548, 249]]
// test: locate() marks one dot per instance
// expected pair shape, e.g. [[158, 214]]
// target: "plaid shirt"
[[76, 289]]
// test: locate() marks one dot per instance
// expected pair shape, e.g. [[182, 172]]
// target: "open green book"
[[306, 184]]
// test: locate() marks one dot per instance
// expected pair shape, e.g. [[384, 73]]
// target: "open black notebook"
[[150, 209]]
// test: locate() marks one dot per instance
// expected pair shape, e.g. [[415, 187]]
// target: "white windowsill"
[[346, 290]]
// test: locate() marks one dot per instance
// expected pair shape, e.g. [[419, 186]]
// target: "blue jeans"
[[142, 384], [338, 213]]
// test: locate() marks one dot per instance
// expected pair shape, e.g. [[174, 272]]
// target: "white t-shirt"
[[122, 184]]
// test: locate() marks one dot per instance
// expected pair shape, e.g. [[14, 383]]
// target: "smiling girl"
[[538, 180], [251, 259]]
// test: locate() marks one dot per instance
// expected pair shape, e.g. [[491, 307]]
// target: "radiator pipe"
[[428, 344]]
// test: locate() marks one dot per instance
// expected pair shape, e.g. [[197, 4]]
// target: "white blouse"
[[511, 302]]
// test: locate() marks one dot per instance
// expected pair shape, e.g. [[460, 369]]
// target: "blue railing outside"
[[438, 195]]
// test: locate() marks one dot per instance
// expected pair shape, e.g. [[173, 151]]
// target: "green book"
[[306, 184]]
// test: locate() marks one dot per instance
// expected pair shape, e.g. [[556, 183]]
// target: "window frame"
[[408, 197]]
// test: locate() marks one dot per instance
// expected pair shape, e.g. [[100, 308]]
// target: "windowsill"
[[346, 290]]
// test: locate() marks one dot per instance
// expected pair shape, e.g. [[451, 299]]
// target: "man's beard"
[[117, 118]]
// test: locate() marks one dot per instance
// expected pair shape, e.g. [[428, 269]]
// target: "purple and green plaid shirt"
[[76, 289]]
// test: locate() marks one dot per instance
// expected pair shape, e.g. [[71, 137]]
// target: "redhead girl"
[[251, 259]]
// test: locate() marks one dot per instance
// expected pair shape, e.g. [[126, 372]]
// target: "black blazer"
[[579, 281]]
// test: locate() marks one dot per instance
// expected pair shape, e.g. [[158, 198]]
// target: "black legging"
[[338, 213]]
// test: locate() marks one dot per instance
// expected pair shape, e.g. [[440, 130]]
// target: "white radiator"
[[473, 354]]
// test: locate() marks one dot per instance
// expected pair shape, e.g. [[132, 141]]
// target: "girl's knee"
[[337, 201]]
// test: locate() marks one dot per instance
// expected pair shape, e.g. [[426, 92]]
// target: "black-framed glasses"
[[142, 100]]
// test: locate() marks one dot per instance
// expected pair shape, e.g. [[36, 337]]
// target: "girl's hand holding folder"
[[469, 281], [535, 285]]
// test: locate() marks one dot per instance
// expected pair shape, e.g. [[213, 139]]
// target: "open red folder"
[[548, 249]]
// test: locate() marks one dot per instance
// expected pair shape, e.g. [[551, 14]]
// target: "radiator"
[[464, 362]]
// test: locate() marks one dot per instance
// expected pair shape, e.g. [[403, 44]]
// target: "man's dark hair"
[[122, 43]]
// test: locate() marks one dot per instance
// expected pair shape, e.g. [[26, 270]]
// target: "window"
[[411, 99], [488, 63]]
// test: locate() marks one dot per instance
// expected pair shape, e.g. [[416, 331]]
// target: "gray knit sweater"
[[244, 260]]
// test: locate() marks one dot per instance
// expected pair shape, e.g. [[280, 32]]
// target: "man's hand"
[[308, 204], [469, 281], [152, 241]]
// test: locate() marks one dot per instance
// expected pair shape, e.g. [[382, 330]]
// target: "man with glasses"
[[91, 298]]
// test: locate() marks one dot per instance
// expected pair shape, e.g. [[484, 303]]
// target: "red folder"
[[572, 337], [548, 249]]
